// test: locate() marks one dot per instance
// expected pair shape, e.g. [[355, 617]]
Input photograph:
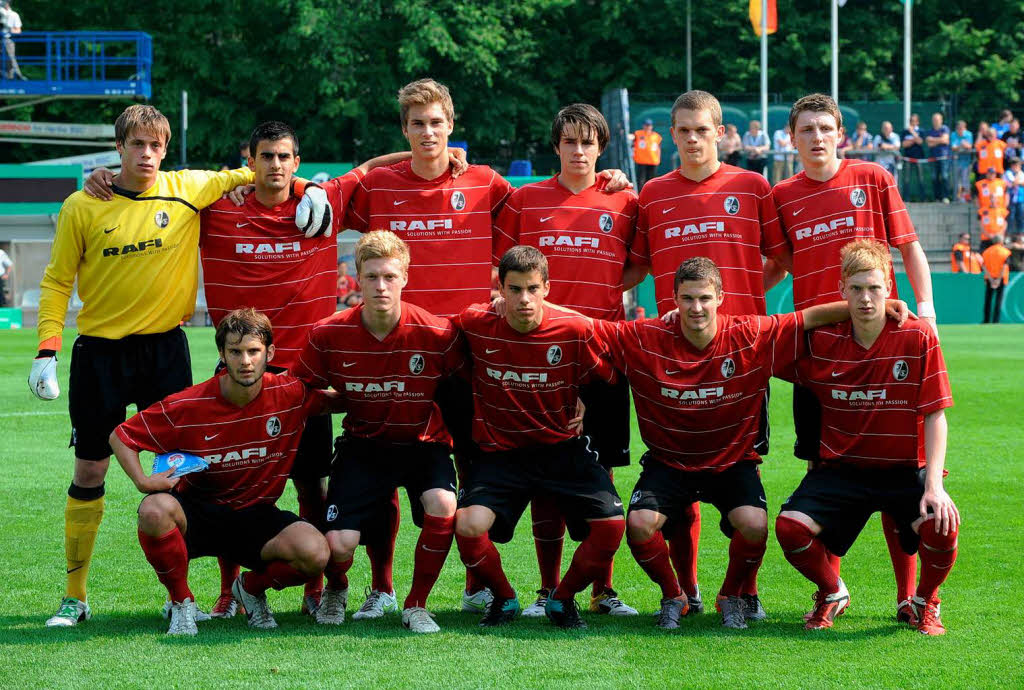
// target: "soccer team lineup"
[[488, 373]]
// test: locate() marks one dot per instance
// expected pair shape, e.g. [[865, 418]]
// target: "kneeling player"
[[527, 369], [883, 444], [698, 389], [247, 423], [386, 358]]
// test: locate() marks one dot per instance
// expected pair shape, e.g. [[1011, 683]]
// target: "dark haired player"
[[246, 422], [527, 370], [586, 234]]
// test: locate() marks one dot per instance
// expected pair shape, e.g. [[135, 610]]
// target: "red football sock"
[[479, 556], [277, 575], [834, 561], [169, 557], [938, 554], [591, 557], [337, 574], [382, 554], [749, 585], [548, 537], [806, 553], [312, 509], [473, 583], [431, 551], [228, 574], [744, 560], [683, 544], [652, 555], [904, 564]]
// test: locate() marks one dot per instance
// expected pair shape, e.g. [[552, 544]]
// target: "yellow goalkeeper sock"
[[82, 517]]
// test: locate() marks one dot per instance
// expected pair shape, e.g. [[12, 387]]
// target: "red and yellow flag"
[[755, 17]]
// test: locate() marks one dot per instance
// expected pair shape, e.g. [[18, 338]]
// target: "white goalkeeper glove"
[[43, 378], [314, 214]]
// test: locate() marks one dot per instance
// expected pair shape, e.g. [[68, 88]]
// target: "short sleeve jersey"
[[254, 256], [873, 401], [388, 385], [447, 223], [250, 449], [860, 201], [525, 385], [586, 238], [700, 409], [728, 217]]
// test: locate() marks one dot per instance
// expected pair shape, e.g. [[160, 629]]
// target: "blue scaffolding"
[[79, 64]]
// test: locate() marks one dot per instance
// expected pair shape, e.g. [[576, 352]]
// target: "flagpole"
[[689, 50], [835, 50], [764, 66], [907, 41]]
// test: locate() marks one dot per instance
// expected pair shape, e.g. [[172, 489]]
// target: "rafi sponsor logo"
[[567, 241], [820, 228], [900, 370], [517, 376], [728, 367], [372, 387], [695, 394], [133, 248], [731, 205], [858, 197], [267, 247], [416, 363], [273, 427], [236, 455], [162, 219], [870, 394], [605, 222], [695, 229], [554, 355], [421, 224], [458, 201]]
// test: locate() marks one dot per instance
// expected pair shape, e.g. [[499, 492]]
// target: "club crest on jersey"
[[332, 513], [635, 498], [605, 222], [728, 367], [416, 363], [273, 427], [731, 205], [554, 354], [900, 370], [161, 219], [458, 201], [858, 198]]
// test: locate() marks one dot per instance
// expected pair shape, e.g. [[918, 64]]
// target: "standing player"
[[586, 235], [135, 259], [254, 256], [883, 444], [527, 370], [712, 209], [386, 357], [247, 423], [822, 208]]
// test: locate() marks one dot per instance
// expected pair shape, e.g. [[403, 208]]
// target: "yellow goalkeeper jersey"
[[136, 257]]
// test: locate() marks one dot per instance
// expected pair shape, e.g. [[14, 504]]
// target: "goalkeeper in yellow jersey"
[[135, 258]]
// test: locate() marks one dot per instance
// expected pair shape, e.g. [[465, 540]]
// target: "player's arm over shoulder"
[[203, 187]]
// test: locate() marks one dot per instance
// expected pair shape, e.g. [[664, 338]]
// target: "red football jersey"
[[727, 217], [700, 409], [586, 238], [525, 385], [250, 449], [873, 401], [818, 218], [447, 224], [388, 385], [254, 256]]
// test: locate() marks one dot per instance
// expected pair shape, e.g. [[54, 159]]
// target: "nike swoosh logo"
[[799, 211], [348, 364], [209, 438], [399, 203], [240, 225], [617, 504], [546, 219], [107, 231], [666, 210], [672, 372], [837, 373], [74, 569], [489, 351]]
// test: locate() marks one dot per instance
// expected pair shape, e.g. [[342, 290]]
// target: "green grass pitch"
[[125, 646]]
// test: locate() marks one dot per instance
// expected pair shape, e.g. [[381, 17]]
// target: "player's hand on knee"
[[314, 214], [616, 180], [42, 380], [99, 184], [238, 194], [943, 510], [154, 483], [457, 160]]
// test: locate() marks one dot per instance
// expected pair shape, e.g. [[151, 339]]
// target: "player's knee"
[[90, 473], [750, 522], [439, 502], [792, 533], [641, 525], [342, 544], [154, 513], [470, 523]]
